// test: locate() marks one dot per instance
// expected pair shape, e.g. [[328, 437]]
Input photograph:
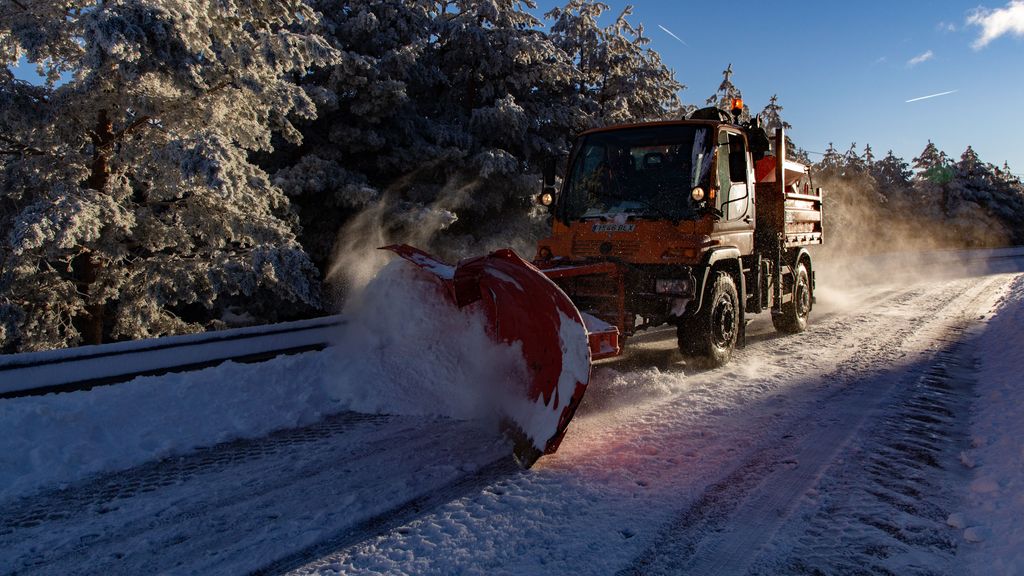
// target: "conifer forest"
[[179, 167]]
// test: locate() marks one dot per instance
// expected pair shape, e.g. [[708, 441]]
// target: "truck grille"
[[618, 248]]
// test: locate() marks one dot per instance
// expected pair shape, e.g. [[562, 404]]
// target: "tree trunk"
[[90, 323], [86, 267]]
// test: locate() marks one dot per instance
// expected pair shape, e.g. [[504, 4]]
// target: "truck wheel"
[[793, 318], [713, 336]]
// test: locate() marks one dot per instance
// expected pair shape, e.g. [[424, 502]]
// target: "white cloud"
[[996, 23], [921, 58], [945, 27]]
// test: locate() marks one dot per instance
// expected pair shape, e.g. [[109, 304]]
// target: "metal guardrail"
[[84, 367]]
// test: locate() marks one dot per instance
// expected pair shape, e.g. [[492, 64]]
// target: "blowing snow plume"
[[420, 339], [393, 219], [872, 239], [356, 256], [404, 349], [426, 351]]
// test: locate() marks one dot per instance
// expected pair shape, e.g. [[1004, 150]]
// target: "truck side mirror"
[[548, 171]]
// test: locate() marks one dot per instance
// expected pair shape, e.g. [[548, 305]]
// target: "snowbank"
[[404, 350], [64, 437], [993, 525]]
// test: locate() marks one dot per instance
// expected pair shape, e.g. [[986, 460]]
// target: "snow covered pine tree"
[[618, 78], [439, 115], [726, 93], [128, 204]]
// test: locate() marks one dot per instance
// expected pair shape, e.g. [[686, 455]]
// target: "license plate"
[[614, 227]]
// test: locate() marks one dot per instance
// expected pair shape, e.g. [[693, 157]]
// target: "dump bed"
[[787, 204]]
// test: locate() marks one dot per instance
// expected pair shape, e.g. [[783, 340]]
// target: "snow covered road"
[[839, 450]]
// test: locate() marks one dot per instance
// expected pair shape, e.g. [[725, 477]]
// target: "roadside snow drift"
[[993, 522], [404, 350], [64, 437]]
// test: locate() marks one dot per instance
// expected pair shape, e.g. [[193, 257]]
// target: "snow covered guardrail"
[[957, 258], [86, 366], [947, 256], [888, 266]]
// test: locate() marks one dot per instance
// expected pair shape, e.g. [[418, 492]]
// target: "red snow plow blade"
[[522, 305]]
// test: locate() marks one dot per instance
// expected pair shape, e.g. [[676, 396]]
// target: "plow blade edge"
[[523, 307]]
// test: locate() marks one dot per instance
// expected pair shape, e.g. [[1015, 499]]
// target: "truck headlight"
[[675, 287], [697, 194]]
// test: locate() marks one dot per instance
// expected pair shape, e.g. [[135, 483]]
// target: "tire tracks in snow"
[[250, 503], [102, 493], [628, 468], [883, 507], [391, 519], [740, 513]]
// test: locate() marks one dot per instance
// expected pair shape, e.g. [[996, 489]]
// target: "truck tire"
[[793, 318], [712, 336]]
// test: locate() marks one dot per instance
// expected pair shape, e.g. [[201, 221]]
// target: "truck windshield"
[[645, 172]]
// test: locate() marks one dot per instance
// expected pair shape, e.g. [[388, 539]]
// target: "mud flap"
[[522, 305]]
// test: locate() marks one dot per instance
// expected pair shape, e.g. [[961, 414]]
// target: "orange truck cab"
[[694, 223]]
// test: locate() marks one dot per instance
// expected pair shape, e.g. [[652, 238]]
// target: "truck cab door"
[[735, 187]]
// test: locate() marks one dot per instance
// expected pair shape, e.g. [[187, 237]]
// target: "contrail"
[[669, 32], [930, 96]]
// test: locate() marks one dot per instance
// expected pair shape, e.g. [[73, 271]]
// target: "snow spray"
[[406, 349], [390, 220], [870, 242]]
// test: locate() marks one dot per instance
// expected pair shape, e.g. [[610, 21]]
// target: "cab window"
[[732, 176]]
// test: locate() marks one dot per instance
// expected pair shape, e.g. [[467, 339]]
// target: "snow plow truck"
[[695, 223]]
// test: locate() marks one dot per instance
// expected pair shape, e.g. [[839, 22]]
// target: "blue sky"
[[844, 70]]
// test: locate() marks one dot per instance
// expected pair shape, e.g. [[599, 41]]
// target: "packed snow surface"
[[994, 519], [666, 469]]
